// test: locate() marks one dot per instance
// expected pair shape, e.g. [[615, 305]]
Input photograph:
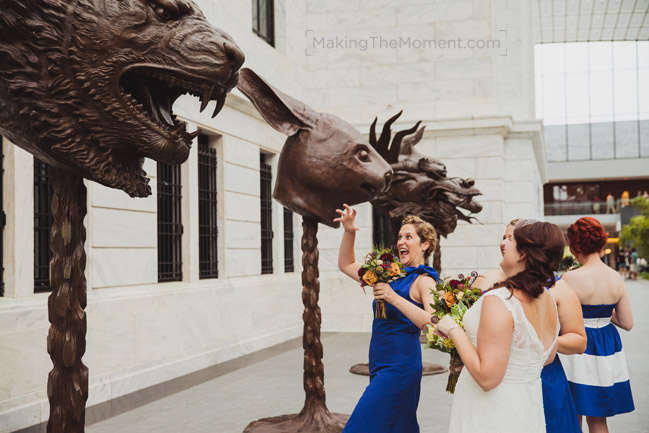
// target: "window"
[[43, 220], [592, 97], [263, 20], [288, 241], [207, 216], [170, 229], [3, 222], [381, 228], [266, 177]]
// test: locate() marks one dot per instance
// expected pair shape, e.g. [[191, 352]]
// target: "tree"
[[637, 231]]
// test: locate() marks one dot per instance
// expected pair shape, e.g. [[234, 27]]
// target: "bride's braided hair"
[[543, 245]]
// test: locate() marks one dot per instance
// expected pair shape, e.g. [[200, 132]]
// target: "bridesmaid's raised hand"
[[347, 218]]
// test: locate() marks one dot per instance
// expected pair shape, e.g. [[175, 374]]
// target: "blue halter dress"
[[599, 378], [558, 405], [389, 403]]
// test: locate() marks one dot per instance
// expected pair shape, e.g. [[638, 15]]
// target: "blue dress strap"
[[422, 270]]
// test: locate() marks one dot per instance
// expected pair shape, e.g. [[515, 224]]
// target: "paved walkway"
[[274, 387]]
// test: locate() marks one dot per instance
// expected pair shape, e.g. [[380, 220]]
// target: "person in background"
[[624, 200], [610, 203], [621, 263], [633, 264], [599, 379]]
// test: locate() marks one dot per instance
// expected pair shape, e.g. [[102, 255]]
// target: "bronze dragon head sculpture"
[[420, 185], [89, 85]]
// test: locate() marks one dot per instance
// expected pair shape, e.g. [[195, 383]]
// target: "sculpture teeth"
[[205, 98], [219, 105]]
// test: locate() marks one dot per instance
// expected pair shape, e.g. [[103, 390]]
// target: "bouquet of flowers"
[[380, 266], [453, 297]]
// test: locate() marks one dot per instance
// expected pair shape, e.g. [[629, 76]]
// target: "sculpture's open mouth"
[[150, 93]]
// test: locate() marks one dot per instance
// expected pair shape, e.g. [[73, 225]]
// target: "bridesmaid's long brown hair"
[[543, 245]]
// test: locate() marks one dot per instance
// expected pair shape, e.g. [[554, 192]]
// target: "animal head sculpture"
[[88, 86], [324, 163], [420, 185]]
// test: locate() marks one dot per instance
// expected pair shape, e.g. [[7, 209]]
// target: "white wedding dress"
[[516, 404]]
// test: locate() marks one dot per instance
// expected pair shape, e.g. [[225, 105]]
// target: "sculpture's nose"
[[235, 55]]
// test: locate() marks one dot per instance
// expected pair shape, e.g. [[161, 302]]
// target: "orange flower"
[[449, 298], [394, 269], [370, 278]]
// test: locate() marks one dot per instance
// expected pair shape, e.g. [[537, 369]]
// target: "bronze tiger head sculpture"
[[88, 85]]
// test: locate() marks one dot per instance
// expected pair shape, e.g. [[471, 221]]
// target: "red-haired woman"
[[599, 379], [508, 335]]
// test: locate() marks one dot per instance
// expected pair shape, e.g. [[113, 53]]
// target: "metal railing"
[[207, 214], [289, 265], [583, 207], [266, 178], [170, 229]]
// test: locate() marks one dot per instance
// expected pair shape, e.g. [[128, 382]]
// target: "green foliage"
[[644, 275], [636, 232]]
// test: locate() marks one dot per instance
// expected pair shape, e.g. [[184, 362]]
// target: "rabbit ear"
[[285, 114]]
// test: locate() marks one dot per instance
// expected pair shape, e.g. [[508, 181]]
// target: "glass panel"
[[624, 55], [601, 96], [554, 59], [602, 140], [577, 57], [554, 99], [555, 142], [643, 92], [626, 139], [626, 95], [644, 138], [600, 56], [577, 105], [578, 142]]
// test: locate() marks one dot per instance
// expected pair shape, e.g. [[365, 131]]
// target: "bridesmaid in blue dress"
[[389, 403], [558, 405], [599, 379]]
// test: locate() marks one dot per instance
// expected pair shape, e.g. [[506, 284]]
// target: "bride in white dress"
[[508, 335]]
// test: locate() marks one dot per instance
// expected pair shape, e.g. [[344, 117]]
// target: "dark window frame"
[[381, 228], [170, 229], [3, 218], [266, 205], [43, 219], [263, 20], [289, 236], [207, 210]]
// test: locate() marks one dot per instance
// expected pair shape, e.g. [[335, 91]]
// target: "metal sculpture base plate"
[[429, 369], [298, 423]]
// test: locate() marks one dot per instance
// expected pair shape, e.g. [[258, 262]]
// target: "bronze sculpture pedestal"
[[314, 417]]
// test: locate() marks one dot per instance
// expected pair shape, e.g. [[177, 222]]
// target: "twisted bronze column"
[[67, 385], [314, 416]]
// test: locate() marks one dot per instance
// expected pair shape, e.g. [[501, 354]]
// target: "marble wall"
[[477, 105]]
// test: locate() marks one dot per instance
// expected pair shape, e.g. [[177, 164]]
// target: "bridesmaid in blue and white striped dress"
[[599, 378]]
